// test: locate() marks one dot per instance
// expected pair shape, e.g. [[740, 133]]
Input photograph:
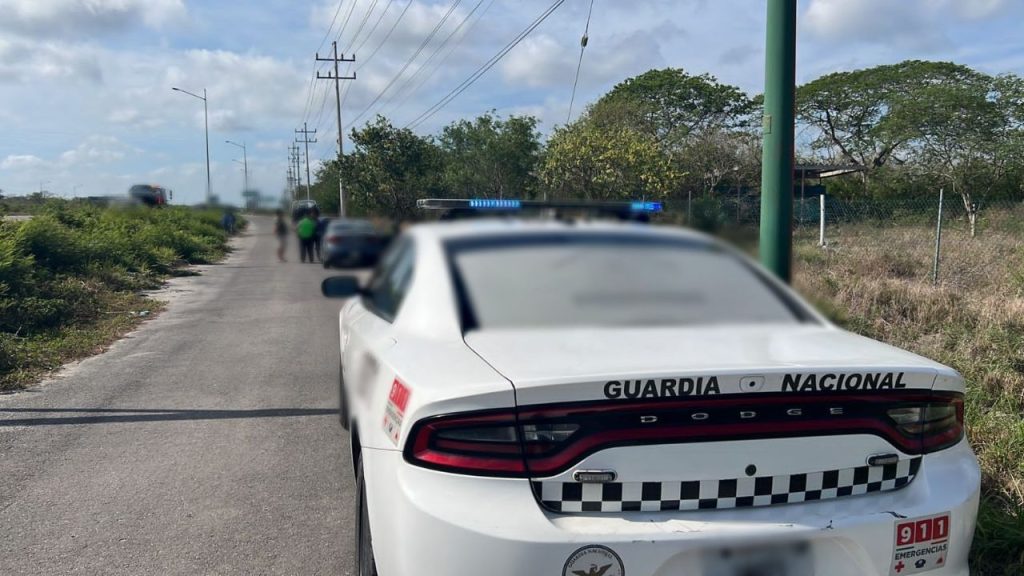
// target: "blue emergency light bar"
[[502, 205], [485, 203]]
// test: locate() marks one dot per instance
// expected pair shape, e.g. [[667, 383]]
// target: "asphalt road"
[[207, 442]]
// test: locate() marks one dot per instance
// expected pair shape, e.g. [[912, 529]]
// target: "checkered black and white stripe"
[[559, 496]]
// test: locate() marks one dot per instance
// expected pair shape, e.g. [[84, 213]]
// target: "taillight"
[[541, 441], [936, 425], [334, 239], [485, 443]]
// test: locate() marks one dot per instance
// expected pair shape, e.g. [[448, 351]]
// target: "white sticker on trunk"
[[921, 544], [394, 412]]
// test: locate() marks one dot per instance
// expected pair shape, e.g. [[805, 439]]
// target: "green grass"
[[70, 278], [875, 280]]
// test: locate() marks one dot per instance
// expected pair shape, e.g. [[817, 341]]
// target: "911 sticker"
[[921, 544], [394, 412]]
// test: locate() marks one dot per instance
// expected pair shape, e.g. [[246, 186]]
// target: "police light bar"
[[503, 205]]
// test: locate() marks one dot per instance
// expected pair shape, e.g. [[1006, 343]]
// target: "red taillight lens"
[[936, 425], [334, 239], [540, 441], [485, 443]]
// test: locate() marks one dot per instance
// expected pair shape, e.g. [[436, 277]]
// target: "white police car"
[[600, 399]]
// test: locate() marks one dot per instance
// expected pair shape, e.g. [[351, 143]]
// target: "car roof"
[[444, 231]]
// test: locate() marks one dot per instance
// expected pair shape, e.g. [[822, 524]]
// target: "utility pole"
[[298, 173], [206, 125], [289, 179], [342, 200], [305, 140], [779, 141], [245, 163]]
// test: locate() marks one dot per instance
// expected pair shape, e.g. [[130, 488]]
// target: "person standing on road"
[[227, 221], [306, 230], [281, 231], [318, 235]]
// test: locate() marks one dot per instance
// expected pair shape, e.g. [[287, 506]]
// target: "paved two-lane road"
[[206, 443]]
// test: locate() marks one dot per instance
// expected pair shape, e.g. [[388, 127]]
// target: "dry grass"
[[876, 280]]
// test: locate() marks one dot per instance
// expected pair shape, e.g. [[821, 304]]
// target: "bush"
[[61, 271]]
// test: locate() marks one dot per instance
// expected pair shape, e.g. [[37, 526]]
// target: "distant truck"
[[149, 194]]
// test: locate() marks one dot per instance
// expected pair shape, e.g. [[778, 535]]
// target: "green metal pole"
[[779, 147]]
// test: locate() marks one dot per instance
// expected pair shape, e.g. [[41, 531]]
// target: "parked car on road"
[[350, 242], [582, 398]]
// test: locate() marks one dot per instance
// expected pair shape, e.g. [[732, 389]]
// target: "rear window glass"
[[578, 280], [352, 226]]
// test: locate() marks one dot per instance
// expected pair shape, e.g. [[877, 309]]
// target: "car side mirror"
[[341, 287]]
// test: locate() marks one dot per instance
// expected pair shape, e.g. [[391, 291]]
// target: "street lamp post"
[[206, 124], [245, 162]]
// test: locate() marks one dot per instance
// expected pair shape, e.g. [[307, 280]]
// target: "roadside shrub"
[[67, 274]]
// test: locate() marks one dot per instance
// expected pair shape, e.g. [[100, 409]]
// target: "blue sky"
[[88, 107]]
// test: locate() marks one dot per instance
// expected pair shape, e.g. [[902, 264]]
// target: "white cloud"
[[21, 162], [919, 23], [22, 61], [95, 150], [62, 18]]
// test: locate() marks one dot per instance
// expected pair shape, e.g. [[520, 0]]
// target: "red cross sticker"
[[900, 566], [939, 561]]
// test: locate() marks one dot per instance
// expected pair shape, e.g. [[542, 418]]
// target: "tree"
[[387, 172], [867, 117], [972, 135], [491, 157], [670, 105], [584, 161]]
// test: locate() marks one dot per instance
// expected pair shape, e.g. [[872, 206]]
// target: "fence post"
[[938, 240], [821, 234]]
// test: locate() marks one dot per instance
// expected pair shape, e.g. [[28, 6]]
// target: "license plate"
[[789, 559]]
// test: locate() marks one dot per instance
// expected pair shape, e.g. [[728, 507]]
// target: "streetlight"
[[206, 123], [245, 162]]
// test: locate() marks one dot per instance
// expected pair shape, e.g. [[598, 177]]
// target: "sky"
[[86, 106]]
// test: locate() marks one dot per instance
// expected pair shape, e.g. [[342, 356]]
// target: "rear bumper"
[[430, 522]]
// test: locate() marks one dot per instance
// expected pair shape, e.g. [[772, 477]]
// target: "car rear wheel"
[[364, 564]]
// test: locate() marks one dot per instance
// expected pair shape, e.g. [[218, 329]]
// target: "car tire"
[[342, 404], [363, 553]]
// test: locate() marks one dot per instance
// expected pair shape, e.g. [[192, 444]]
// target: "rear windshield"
[[359, 226], [579, 280]]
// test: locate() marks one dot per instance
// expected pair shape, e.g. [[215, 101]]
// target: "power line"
[[362, 25], [374, 27], [386, 36], [409, 62], [306, 132], [445, 58], [351, 9], [579, 65], [409, 81], [337, 77], [485, 67], [331, 27]]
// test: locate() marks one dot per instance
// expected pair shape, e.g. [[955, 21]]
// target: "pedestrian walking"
[[318, 235], [306, 230], [227, 221], [281, 231]]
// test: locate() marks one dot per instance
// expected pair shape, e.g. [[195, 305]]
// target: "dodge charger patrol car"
[[582, 398]]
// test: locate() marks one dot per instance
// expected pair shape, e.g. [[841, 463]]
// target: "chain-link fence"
[[902, 235]]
